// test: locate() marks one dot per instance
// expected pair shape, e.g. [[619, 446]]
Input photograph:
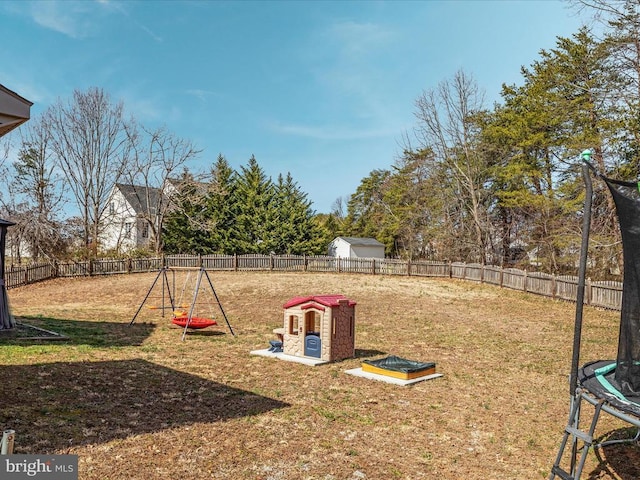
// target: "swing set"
[[185, 315]]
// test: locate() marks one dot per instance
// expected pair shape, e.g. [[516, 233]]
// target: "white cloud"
[[69, 18], [201, 94], [120, 8], [354, 40], [329, 133], [76, 19]]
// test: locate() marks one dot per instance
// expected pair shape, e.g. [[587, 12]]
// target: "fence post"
[[338, 265], [482, 273], [26, 275], [409, 268], [373, 267], [588, 292], [501, 276], [553, 286], [271, 262], [524, 286], [235, 262], [304, 267]]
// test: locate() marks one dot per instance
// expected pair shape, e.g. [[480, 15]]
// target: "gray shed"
[[356, 247]]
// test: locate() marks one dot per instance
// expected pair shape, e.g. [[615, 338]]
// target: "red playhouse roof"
[[325, 300]]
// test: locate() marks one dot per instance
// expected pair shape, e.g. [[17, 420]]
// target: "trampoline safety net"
[[626, 196]]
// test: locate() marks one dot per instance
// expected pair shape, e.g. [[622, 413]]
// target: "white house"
[[355, 247], [129, 211]]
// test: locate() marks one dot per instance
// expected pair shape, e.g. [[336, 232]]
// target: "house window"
[[145, 230], [293, 325], [127, 230]]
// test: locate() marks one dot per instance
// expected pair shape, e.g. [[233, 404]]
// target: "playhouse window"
[[312, 323], [293, 324]]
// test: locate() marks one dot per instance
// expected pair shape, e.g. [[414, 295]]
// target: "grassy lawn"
[[136, 402]]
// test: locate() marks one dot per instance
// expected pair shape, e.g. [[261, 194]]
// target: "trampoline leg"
[[635, 439], [572, 430]]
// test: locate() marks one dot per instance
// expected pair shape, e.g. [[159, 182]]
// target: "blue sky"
[[323, 90]]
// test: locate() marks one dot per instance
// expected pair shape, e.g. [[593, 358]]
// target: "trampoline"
[[598, 379], [610, 386]]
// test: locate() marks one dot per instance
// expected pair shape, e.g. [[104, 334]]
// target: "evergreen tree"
[[366, 208], [295, 231], [255, 218], [222, 208], [562, 106]]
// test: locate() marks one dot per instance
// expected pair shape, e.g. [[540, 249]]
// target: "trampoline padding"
[[598, 378]]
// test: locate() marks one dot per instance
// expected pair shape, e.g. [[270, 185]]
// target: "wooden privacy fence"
[[563, 287]]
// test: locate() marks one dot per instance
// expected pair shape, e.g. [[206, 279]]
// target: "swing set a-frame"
[[183, 313]]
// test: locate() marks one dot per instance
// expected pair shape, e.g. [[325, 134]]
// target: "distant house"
[[356, 247], [130, 211]]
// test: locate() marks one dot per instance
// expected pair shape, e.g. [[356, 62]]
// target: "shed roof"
[[361, 241], [325, 300]]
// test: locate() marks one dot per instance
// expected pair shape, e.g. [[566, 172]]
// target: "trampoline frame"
[[587, 437], [578, 392]]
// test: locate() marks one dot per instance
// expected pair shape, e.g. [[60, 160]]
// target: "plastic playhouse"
[[316, 329]]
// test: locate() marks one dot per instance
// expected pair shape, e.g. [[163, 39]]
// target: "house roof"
[[14, 110], [6, 223], [143, 200], [324, 300], [361, 241]]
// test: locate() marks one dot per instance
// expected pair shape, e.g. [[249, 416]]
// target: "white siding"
[[339, 247], [120, 230]]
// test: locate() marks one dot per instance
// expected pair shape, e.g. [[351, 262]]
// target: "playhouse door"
[[312, 346]]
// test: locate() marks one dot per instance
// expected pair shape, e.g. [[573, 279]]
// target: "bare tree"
[[157, 157], [37, 193], [446, 128], [91, 146]]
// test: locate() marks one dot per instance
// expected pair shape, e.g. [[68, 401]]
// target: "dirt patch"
[[135, 402]]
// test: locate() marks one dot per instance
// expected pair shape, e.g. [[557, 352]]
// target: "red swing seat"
[[195, 323]]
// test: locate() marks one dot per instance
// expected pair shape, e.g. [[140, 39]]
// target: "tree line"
[[502, 185], [242, 212], [495, 185], [77, 150]]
